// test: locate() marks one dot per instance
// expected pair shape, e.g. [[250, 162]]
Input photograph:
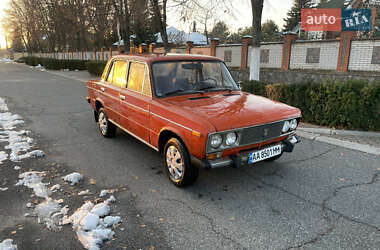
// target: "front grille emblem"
[[266, 131]]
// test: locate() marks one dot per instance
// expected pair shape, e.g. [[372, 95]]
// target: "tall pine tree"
[[294, 14]]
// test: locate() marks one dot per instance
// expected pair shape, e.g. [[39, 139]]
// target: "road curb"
[[345, 144], [328, 131]]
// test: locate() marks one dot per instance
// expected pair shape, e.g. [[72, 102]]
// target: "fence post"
[[151, 48], [245, 42], [344, 50], [110, 53], [214, 44], [102, 51], [289, 39], [189, 46]]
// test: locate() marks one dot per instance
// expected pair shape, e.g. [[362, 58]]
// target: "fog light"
[[214, 156]]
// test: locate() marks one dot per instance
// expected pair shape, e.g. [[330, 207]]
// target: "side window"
[[120, 74], [146, 88], [105, 72], [110, 75], [136, 76]]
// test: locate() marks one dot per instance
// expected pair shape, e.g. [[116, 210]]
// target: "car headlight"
[[293, 124], [231, 139], [286, 127], [216, 140]]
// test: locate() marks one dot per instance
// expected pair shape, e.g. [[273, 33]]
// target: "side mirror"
[[239, 84]]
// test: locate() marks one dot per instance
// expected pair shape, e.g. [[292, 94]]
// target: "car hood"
[[227, 111]]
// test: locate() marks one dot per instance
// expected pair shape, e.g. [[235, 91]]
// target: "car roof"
[[150, 58]]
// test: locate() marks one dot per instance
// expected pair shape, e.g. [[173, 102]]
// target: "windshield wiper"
[[182, 91], [217, 88]]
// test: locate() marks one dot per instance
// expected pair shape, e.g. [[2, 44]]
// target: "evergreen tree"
[[294, 14], [220, 31], [142, 22], [270, 31]]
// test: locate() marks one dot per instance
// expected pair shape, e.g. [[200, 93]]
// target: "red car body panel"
[[190, 119]]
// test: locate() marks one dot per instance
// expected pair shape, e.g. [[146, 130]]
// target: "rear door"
[[135, 108], [109, 93]]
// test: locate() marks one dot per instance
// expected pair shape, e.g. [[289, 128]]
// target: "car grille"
[[261, 133]]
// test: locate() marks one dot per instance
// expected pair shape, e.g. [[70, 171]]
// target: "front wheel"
[[107, 128], [177, 164]]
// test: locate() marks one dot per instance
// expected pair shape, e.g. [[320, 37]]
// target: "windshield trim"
[[186, 60]]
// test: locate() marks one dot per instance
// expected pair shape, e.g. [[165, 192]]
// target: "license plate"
[[263, 154]]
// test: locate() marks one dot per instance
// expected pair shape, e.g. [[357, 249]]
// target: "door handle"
[[102, 89], [122, 97]]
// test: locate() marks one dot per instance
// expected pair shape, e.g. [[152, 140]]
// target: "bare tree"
[[159, 9]]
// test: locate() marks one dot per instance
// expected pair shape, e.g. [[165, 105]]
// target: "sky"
[[241, 15], [3, 4]]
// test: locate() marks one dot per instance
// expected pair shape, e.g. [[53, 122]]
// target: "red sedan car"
[[191, 110]]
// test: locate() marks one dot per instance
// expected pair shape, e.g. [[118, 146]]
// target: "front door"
[[135, 108]]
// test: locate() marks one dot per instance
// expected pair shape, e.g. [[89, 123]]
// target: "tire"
[[106, 128], [274, 158], [177, 164]]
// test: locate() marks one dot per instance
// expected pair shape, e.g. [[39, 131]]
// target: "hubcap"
[[103, 122], [174, 162]]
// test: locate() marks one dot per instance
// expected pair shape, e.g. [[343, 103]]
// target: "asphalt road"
[[318, 197]]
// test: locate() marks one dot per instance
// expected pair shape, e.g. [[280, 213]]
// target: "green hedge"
[[352, 104], [96, 67], [55, 64]]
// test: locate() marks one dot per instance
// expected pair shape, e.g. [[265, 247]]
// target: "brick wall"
[[322, 55], [361, 57]]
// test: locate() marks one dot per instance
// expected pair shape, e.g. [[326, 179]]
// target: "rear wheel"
[[177, 164], [106, 128]]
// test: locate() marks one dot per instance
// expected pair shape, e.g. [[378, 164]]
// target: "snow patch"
[[7, 245], [73, 178], [49, 212], [84, 192], [55, 188], [3, 105], [90, 228], [3, 189], [17, 168], [101, 209], [3, 156], [33, 180]]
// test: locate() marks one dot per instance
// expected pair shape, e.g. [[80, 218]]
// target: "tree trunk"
[[161, 20], [127, 29], [257, 10]]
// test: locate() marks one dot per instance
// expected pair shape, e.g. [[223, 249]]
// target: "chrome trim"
[[220, 163], [172, 122], [135, 136], [137, 107]]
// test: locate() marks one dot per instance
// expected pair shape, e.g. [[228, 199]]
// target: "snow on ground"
[[3, 106], [3, 189], [49, 211], [7, 245], [85, 192], [33, 180], [73, 178], [17, 168], [19, 143], [92, 223], [3, 156]]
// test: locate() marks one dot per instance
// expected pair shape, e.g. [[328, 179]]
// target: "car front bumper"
[[241, 159]]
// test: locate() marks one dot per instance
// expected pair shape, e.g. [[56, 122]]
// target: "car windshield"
[[187, 77]]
